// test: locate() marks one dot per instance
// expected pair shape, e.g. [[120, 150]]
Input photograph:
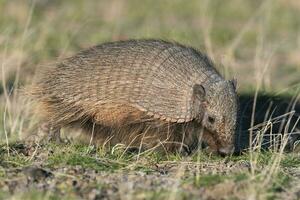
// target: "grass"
[[69, 163], [256, 42]]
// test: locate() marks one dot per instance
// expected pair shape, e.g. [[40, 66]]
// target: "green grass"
[[291, 160], [208, 180], [69, 156]]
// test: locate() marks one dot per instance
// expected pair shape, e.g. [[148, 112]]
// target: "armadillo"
[[148, 82]]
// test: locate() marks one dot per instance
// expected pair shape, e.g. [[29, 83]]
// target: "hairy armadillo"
[[124, 84]]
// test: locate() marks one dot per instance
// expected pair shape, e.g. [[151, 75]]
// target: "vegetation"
[[257, 42]]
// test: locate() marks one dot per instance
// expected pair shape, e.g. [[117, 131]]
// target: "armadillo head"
[[219, 116]]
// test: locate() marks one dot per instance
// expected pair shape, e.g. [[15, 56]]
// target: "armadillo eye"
[[211, 120]]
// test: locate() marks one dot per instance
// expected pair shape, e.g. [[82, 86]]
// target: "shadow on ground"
[[274, 115]]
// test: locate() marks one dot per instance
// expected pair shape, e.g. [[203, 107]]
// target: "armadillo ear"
[[199, 92], [234, 83]]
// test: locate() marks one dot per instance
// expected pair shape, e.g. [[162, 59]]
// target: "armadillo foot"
[[50, 133], [186, 151], [134, 150], [293, 142]]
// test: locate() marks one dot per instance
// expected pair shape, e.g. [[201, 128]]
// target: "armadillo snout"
[[224, 151]]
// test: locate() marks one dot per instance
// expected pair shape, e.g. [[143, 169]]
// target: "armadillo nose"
[[224, 151]]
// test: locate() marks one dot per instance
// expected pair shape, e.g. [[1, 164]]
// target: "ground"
[[256, 42], [78, 171]]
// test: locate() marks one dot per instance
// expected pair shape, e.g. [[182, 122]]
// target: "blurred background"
[[257, 42]]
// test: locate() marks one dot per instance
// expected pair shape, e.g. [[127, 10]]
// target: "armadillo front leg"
[[50, 132]]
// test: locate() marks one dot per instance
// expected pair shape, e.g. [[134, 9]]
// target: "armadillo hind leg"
[[50, 133]]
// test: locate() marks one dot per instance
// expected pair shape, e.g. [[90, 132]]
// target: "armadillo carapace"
[[142, 92]]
